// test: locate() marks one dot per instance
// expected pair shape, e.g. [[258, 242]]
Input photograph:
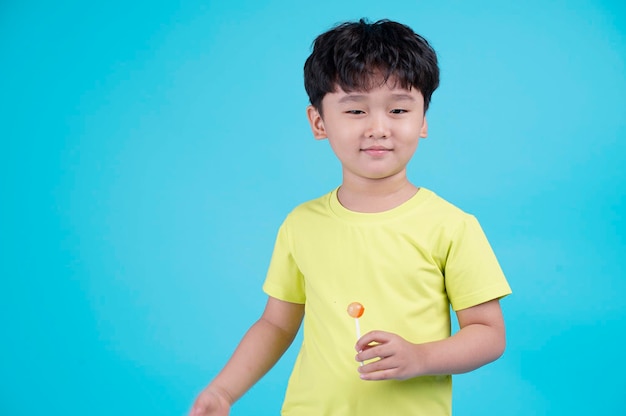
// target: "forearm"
[[258, 351], [480, 340], [472, 347]]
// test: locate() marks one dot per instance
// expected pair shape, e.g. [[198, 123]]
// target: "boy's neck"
[[375, 196]]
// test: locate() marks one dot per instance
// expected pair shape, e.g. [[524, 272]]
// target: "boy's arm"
[[261, 347], [480, 340]]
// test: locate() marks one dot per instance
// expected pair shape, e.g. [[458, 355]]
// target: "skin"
[[260, 348], [480, 340], [374, 135]]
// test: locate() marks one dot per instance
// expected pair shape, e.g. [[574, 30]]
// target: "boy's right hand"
[[210, 403]]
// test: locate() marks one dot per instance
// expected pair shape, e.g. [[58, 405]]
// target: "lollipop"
[[355, 310]]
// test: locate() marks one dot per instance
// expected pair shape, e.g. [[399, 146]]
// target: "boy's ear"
[[316, 122], [424, 130]]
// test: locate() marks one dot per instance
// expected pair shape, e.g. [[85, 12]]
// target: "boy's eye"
[[355, 112], [398, 111]]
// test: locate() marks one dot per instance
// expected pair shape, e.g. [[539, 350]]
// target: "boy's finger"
[[372, 352], [373, 337]]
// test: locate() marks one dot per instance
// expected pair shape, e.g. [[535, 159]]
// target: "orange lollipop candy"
[[355, 310]]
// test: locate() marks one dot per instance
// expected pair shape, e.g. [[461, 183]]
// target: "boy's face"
[[373, 133]]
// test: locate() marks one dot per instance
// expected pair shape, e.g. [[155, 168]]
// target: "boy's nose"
[[377, 128]]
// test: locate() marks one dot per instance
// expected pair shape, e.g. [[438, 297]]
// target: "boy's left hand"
[[480, 340], [396, 358]]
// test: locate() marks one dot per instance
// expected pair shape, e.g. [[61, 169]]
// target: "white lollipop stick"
[[358, 332], [355, 310]]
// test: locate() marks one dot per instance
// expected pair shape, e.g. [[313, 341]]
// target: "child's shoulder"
[[317, 205], [447, 217], [440, 207], [438, 204]]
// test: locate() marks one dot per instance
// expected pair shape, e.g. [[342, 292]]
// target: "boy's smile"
[[373, 133], [376, 150]]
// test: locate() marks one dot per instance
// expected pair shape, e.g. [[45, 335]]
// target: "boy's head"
[[357, 56]]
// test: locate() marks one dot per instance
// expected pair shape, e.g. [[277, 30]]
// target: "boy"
[[402, 251]]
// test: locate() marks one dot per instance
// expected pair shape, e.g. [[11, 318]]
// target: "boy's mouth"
[[376, 150]]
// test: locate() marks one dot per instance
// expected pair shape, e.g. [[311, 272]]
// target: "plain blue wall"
[[150, 151]]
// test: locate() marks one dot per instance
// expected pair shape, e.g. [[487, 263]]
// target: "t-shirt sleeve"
[[472, 272], [284, 280]]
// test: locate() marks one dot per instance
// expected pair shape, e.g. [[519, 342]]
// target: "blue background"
[[150, 151]]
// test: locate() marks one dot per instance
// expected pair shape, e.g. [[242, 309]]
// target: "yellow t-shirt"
[[406, 266]]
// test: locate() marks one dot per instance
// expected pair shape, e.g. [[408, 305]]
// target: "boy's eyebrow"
[[361, 97], [351, 98], [403, 97]]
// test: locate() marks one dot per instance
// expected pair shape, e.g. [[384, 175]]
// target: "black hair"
[[356, 55]]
